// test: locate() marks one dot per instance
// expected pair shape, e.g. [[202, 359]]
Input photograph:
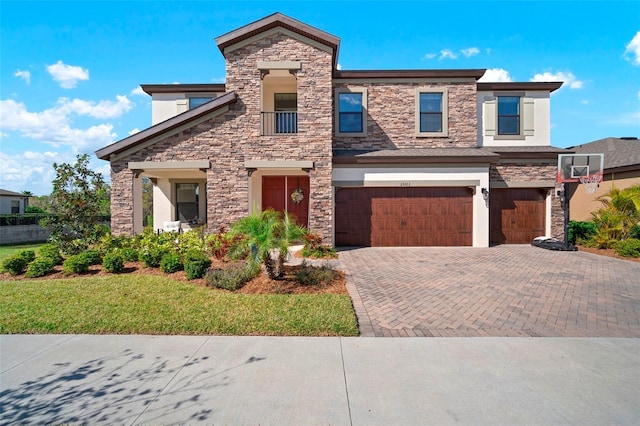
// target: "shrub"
[[233, 277], [15, 264], [314, 275], [76, 264], [581, 231], [628, 248], [129, 254], [41, 266], [113, 262], [152, 256], [196, 264], [191, 240], [27, 255], [218, 244], [635, 231], [50, 251], [313, 247], [170, 263], [92, 256]]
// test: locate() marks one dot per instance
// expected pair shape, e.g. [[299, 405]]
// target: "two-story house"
[[371, 157]]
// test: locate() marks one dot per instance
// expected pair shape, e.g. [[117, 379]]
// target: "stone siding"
[[524, 171], [229, 140], [391, 117]]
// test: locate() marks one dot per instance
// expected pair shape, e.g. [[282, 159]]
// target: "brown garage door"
[[388, 217], [517, 216]]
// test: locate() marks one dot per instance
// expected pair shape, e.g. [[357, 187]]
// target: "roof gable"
[[266, 25]]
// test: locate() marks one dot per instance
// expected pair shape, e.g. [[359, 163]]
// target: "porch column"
[[137, 204]]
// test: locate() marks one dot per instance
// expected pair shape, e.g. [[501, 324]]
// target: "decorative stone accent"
[[229, 140], [391, 117]]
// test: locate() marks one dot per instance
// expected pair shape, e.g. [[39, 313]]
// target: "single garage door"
[[387, 217], [517, 215]]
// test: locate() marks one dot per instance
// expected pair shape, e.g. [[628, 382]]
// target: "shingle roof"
[[618, 152], [11, 193]]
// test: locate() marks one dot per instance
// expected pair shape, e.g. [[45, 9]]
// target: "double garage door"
[[389, 217], [404, 217]]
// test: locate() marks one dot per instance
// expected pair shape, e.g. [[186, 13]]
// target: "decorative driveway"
[[510, 290]]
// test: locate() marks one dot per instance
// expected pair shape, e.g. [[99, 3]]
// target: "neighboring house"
[[621, 170], [12, 202], [372, 157]]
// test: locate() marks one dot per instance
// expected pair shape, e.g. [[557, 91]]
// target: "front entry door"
[[277, 194]]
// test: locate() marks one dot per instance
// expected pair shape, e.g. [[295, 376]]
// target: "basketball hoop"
[[590, 182]]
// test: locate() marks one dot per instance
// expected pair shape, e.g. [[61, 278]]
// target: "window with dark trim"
[[509, 115], [350, 115], [187, 202], [431, 112], [197, 101]]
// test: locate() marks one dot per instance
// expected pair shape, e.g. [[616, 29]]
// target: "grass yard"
[[6, 251], [153, 304]]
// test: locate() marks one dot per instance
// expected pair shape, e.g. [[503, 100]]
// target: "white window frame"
[[361, 90], [445, 111]]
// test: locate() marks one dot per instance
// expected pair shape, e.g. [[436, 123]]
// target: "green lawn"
[[6, 251], [140, 304]]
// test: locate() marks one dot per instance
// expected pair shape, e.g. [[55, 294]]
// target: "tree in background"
[[79, 197], [619, 216]]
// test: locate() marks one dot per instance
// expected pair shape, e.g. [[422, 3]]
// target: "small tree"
[[261, 236], [78, 198], [618, 216]]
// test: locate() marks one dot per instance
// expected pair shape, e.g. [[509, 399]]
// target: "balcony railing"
[[279, 122]]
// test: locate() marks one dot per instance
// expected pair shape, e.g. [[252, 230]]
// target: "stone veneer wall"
[[229, 140], [523, 171], [391, 117]]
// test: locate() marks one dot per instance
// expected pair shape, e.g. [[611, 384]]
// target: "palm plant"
[[617, 217], [261, 236]]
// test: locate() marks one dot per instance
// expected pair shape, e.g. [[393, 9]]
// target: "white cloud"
[[220, 80], [4, 135], [632, 50], [30, 171], [430, 55], [495, 75], [67, 75], [100, 110], [134, 131], [339, 66], [568, 78], [585, 102], [138, 92], [628, 119], [638, 94], [53, 126], [25, 75], [446, 53], [471, 51]]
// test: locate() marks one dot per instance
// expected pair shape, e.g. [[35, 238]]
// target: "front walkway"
[[500, 291]]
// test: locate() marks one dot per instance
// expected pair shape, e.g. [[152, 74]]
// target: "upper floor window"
[[432, 112], [351, 112], [286, 116], [509, 115], [197, 101]]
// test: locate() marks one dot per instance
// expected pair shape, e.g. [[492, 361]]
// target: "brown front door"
[[404, 217], [517, 215], [277, 194]]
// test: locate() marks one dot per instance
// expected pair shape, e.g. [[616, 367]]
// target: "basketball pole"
[[566, 215]]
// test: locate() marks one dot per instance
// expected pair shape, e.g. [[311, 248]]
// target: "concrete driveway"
[[510, 290]]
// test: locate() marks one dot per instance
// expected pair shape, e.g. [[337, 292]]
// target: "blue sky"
[[70, 71]]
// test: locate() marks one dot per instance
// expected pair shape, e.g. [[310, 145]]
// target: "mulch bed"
[[606, 252], [261, 284]]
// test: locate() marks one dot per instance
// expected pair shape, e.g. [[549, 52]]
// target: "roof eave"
[[415, 73], [512, 85], [150, 89]]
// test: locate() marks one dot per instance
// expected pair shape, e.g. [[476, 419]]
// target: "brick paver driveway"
[[498, 291]]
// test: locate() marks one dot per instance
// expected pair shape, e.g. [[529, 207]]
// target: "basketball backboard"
[[572, 167]]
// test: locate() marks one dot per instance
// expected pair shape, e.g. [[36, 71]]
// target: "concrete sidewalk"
[[306, 380]]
